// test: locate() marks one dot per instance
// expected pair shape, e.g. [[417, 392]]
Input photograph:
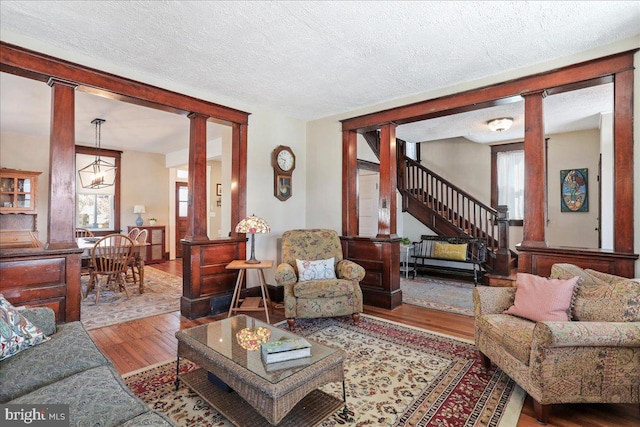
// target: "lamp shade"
[[253, 224], [252, 338], [498, 125], [139, 209]]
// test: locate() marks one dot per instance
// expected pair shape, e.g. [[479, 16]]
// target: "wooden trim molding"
[[617, 68]]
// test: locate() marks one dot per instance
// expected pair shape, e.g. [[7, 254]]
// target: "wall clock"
[[284, 162]]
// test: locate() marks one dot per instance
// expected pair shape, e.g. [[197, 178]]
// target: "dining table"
[[87, 243]]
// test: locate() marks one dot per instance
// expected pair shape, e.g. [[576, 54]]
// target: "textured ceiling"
[[314, 59]]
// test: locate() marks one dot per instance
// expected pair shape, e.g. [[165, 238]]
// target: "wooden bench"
[[470, 250]]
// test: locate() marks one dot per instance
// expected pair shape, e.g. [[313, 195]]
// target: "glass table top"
[[221, 337]]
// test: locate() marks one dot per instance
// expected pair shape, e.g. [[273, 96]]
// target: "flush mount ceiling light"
[[498, 125], [99, 173]]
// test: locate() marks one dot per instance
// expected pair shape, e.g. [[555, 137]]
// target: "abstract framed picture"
[[574, 190]]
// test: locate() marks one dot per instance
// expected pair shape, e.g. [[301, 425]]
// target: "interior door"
[[182, 203]]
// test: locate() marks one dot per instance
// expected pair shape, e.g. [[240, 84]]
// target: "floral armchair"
[[593, 358], [314, 293]]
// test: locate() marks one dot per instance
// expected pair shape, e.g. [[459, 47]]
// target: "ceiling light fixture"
[[99, 173], [501, 124]]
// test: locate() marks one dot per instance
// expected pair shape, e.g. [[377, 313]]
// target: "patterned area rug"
[[396, 375], [438, 294], [162, 292]]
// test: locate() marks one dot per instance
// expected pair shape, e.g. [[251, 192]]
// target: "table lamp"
[[252, 224], [139, 209]]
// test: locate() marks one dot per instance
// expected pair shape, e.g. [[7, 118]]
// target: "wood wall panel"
[[207, 284], [539, 261], [43, 278], [380, 258]]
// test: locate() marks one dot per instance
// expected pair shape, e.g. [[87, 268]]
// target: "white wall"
[[266, 131]]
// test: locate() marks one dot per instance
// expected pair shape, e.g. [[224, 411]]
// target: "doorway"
[[182, 203]]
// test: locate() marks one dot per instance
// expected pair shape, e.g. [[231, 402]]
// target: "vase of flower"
[[152, 221]]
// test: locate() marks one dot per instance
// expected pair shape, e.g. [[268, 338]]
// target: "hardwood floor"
[[139, 343]]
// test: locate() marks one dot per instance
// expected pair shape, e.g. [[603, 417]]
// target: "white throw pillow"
[[315, 270]]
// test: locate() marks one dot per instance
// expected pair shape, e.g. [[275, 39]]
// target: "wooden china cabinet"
[[18, 190]]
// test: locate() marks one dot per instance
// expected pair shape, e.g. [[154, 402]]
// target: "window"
[[98, 209], [95, 211], [507, 163]]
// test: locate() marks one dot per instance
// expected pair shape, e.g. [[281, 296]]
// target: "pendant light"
[[99, 173]]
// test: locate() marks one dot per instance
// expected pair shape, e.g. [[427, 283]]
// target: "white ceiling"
[[305, 59]]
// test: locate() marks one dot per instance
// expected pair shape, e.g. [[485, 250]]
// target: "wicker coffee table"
[[259, 396]]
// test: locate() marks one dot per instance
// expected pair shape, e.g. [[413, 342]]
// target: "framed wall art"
[[574, 190], [218, 189]]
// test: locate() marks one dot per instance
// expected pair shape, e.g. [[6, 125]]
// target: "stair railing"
[[472, 217]]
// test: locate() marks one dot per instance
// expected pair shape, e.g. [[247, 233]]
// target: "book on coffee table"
[[285, 349], [287, 364]]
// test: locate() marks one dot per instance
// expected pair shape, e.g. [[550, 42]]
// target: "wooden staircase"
[[450, 211]]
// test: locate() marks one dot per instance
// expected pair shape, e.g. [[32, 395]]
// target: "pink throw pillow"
[[540, 299]]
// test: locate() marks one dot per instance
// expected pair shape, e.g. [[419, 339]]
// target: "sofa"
[[68, 368], [317, 281], [592, 357]]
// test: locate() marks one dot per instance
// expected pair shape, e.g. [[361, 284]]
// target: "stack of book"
[[294, 351]]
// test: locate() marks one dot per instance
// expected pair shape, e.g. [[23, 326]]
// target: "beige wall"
[[572, 151], [215, 224], [12, 156], [144, 179], [464, 163]]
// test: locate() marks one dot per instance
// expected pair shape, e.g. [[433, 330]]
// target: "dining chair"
[[85, 262], [110, 259], [137, 262], [83, 232], [133, 233]]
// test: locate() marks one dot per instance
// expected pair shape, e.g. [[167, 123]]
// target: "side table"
[[250, 303], [406, 266]]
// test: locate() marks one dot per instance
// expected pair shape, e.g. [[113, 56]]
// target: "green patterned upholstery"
[[70, 369], [318, 298], [595, 358]]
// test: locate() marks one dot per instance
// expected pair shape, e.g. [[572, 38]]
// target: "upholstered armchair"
[[592, 358], [320, 289]]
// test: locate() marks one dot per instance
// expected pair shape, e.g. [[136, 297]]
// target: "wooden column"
[[623, 207], [197, 183], [62, 170], [388, 181], [238, 174], [350, 224], [535, 194]]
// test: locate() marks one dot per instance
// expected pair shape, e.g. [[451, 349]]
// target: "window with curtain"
[[511, 182], [507, 163]]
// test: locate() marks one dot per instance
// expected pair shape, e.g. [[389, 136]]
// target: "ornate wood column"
[[62, 167], [535, 193], [623, 160], [388, 181], [197, 183], [350, 224], [238, 174]]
